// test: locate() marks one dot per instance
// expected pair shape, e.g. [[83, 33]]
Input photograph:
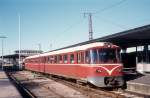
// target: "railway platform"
[[140, 85], [7, 89]]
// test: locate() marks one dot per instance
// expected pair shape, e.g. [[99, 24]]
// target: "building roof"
[[23, 53], [130, 38], [13, 56], [29, 51]]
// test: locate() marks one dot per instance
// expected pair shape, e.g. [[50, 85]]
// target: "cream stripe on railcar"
[[72, 49]]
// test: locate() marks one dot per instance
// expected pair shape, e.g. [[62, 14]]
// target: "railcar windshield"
[[105, 55]]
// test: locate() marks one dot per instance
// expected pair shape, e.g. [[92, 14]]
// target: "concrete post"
[[146, 53]]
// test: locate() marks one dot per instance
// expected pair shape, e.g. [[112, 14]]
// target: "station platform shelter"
[[12, 60]]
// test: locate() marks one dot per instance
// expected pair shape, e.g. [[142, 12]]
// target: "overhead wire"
[[102, 10], [112, 22], [73, 25], [110, 6]]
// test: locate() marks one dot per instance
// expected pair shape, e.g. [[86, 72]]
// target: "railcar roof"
[[71, 49]]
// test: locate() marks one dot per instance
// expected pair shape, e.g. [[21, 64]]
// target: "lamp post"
[[19, 31], [2, 37]]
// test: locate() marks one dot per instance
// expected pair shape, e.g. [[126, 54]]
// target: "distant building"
[[13, 59], [28, 52]]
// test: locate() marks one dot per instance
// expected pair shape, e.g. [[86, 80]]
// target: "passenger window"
[[48, 59], [51, 59], [72, 58], [55, 59], [65, 58], [78, 57], [43, 59], [95, 56], [82, 57], [87, 57], [59, 59]]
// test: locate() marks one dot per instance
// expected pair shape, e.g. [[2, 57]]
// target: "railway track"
[[25, 93], [89, 92], [95, 92], [37, 86]]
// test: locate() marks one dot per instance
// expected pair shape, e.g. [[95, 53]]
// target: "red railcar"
[[96, 63]]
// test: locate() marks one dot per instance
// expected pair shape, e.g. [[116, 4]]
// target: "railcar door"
[[41, 64], [80, 68]]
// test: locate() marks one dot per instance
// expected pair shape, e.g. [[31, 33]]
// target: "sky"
[[58, 23]]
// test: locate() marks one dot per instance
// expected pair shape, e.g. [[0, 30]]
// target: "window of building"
[[65, 58], [72, 58]]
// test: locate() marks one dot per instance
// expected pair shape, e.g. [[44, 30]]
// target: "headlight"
[[119, 70]]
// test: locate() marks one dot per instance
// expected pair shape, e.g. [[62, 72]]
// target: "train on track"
[[96, 63]]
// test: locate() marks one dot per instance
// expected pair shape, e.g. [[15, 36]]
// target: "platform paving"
[[7, 89], [140, 85]]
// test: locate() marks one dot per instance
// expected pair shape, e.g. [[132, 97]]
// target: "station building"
[[28, 52]]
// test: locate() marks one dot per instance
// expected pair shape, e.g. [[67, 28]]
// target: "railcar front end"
[[105, 67], [106, 76]]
